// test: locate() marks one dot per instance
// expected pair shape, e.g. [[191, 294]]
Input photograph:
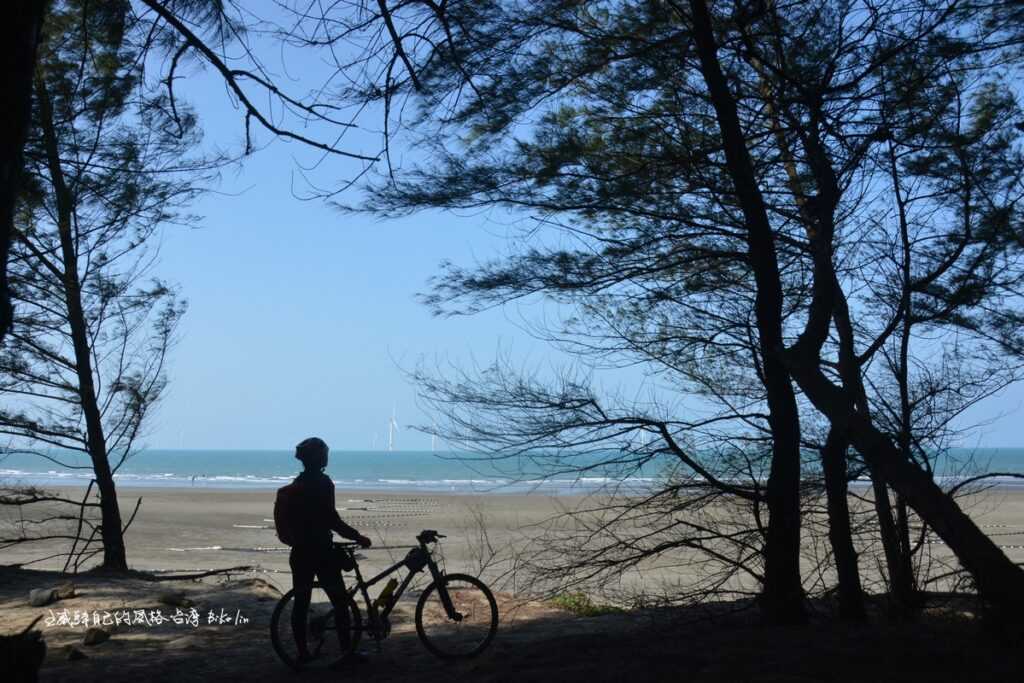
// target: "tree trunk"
[[112, 533], [20, 23], [833, 460], [997, 578], [853, 382], [783, 594], [913, 595], [909, 594], [901, 585]]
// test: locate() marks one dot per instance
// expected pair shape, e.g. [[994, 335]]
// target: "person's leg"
[[302, 581], [329, 575]]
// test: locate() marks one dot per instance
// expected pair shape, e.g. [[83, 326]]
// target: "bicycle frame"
[[375, 616], [376, 622]]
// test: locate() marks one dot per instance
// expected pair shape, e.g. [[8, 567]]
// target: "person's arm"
[[338, 524]]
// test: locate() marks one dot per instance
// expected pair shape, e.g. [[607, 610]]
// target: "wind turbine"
[[392, 426]]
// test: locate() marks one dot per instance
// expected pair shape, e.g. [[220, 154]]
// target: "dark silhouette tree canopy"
[[746, 152], [775, 205], [105, 169]]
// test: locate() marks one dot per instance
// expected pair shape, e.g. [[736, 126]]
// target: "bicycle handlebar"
[[425, 536]]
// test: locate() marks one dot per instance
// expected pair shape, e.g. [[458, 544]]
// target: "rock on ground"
[[40, 597], [95, 635]]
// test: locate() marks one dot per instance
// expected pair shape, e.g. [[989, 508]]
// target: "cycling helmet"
[[312, 453]]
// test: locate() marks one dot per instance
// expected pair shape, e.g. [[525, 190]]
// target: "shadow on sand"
[[535, 643]]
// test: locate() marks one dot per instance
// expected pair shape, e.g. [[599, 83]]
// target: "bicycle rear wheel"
[[324, 639], [475, 620]]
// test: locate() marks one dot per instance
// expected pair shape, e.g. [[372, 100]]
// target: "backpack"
[[288, 513]]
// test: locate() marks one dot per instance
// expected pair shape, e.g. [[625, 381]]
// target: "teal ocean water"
[[352, 470], [401, 471]]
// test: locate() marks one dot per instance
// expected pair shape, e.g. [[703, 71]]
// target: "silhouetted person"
[[312, 553]]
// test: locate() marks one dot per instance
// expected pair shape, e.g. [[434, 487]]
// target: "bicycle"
[[456, 615]]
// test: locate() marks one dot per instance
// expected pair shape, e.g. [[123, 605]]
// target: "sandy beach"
[[195, 529], [198, 529], [186, 530]]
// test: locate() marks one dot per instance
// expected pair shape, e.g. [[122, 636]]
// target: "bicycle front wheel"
[[327, 637], [471, 626]]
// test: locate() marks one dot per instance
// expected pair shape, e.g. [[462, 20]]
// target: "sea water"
[[350, 470], [416, 470]]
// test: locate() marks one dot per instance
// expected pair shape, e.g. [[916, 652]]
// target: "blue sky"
[[302, 319]]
